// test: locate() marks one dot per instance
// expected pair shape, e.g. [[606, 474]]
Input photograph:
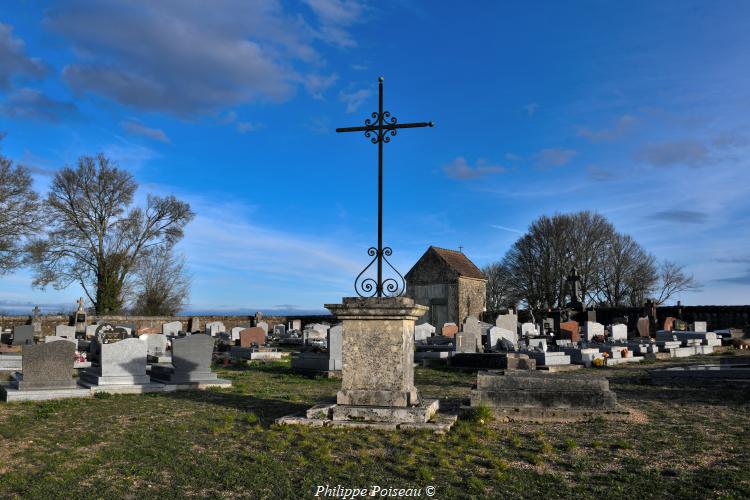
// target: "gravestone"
[[619, 332], [295, 324], [234, 333], [156, 344], [214, 328], [538, 344], [569, 330], [643, 327], [528, 330], [191, 363], [279, 330], [263, 325], [592, 329], [497, 333], [65, 331], [335, 345], [194, 324], [421, 332], [48, 366], [55, 338], [450, 329], [668, 323], [470, 338], [36, 320], [680, 325], [508, 321], [23, 335], [79, 318], [172, 328], [252, 335], [700, 326], [121, 363]]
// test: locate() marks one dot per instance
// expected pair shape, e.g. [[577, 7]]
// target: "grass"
[[223, 443]]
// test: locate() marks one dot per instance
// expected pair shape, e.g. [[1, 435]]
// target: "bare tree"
[[626, 273], [501, 293], [93, 238], [19, 213], [673, 280], [161, 283]]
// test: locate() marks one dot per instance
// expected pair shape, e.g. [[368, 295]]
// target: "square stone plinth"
[[378, 351]]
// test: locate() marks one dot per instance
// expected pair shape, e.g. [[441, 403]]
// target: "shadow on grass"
[[267, 410]]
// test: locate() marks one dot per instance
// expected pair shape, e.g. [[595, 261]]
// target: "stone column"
[[378, 351]]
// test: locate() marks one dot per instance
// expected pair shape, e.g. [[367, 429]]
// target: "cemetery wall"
[[716, 317], [50, 321]]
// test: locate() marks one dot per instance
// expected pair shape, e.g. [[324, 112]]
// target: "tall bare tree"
[[626, 273], [19, 213], [161, 283], [673, 280], [614, 269], [501, 293], [94, 238]]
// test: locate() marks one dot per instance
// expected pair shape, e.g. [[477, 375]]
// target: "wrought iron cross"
[[379, 128]]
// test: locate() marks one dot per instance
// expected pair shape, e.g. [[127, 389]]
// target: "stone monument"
[[47, 373], [191, 365]]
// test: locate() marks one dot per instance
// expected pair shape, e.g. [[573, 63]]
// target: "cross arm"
[[373, 128]]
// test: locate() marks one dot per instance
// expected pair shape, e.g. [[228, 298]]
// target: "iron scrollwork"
[[388, 287]]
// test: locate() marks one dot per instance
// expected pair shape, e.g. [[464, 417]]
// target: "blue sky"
[[638, 110]]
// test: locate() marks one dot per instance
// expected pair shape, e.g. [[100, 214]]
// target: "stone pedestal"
[[377, 387], [378, 351]]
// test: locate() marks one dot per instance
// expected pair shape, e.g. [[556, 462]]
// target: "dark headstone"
[[48, 366], [191, 361], [23, 335], [194, 324]]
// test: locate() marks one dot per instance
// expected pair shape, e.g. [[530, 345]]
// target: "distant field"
[[223, 443]]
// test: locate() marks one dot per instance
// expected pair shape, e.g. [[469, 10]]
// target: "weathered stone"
[[263, 325], [47, 366], [529, 329], [508, 321], [55, 338], [279, 330], [644, 327], [470, 338], [252, 335], [700, 326], [523, 389], [378, 351], [194, 324]]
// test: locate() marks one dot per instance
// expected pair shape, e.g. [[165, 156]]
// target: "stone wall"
[[472, 297], [50, 321]]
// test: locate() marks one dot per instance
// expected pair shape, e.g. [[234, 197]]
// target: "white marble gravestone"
[[156, 343], [592, 328], [172, 328], [619, 332], [421, 332], [121, 363]]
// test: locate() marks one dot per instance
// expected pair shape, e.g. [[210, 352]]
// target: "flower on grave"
[[625, 352], [605, 354], [598, 362]]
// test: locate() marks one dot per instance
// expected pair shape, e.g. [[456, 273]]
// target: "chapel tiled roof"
[[459, 263]]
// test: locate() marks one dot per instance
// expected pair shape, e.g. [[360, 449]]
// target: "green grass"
[[692, 443]]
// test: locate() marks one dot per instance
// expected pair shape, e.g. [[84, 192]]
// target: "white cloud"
[[460, 169], [355, 99], [137, 128], [554, 157], [620, 128]]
